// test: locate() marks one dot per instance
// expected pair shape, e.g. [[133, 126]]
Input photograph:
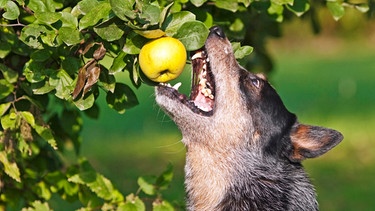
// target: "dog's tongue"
[[203, 103]]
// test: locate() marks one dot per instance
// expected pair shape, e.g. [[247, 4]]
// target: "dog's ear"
[[312, 141]]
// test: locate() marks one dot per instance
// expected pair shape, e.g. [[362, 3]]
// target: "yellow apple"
[[162, 59]]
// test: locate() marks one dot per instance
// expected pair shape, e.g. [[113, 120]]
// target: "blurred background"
[[326, 79]]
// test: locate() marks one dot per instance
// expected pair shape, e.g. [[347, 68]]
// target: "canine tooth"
[[204, 67], [207, 59], [211, 96], [197, 55], [202, 82], [206, 92], [177, 85]]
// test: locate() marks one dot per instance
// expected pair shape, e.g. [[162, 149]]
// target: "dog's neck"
[[208, 175]]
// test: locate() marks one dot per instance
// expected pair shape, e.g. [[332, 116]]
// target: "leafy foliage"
[[58, 56]]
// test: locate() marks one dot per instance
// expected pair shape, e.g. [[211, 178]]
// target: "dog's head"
[[229, 105]]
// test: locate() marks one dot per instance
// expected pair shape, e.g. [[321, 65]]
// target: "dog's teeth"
[[197, 55], [211, 96], [177, 85], [206, 92], [204, 67], [207, 59]]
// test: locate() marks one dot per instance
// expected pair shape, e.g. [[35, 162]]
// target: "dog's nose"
[[218, 31]]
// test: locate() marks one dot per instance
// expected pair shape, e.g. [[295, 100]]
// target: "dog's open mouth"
[[202, 96]]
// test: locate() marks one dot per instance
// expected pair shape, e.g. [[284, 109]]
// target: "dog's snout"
[[217, 31]]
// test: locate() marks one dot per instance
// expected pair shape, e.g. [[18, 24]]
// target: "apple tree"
[[56, 56]]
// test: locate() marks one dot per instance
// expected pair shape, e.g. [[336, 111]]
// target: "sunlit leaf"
[[299, 7], [123, 9], [41, 6], [198, 3], [241, 51], [133, 203], [192, 34], [109, 31], [4, 107], [150, 34], [97, 183], [85, 102], [48, 17], [38, 206], [231, 5], [10, 168], [134, 43], [174, 21], [70, 36], [162, 206], [146, 186], [12, 11], [10, 75], [336, 9], [150, 14], [99, 12], [5, 88], [118, 63]]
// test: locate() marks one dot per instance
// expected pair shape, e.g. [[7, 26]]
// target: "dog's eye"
[[255, 82]]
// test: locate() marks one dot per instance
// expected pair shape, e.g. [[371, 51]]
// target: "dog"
[[243, 147]]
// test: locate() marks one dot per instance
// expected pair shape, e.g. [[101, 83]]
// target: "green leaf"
[[34, 71], [30, 35], [10, 75], [237, 25], [43, 89], [162, 206], [12, 11], [231, 5], [123, 9], [41, 55], [362, 7], [146, 186], [97, 183], [118, 63], [192, 34], [99, 12], [38, 206], [299, 7], [337, 9], [4, 108], [48, 17], [41, 6], [5, 49], [122, 98], [109, 31], [106, 80], [241, 51], [10, 168], [134, 43], [46, 133], [10, 121], [174, 21], [6, 88], [198, 3], [133, 203], [85, 102], [163, 181], [28, 117], [68, 20], [42, 190], [63, 83], [70, 36], [150, 14]]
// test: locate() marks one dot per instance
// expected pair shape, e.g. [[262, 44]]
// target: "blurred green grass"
[[335, 90]]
